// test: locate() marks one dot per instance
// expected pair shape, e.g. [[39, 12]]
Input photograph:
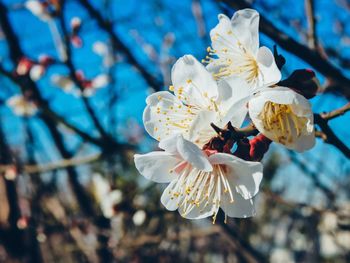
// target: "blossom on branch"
[[39, 9], [201, 181], [197, 101], [21, 106], [235, 51], [283, 116]]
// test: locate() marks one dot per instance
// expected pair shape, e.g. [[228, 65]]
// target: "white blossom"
[[201, 183], [283, 116], [139, 217], [38, 9], [36, 72], [197, 101], [235, 51], [21, 106], [64, 82]]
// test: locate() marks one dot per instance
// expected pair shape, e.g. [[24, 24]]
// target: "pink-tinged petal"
[[193, 155]]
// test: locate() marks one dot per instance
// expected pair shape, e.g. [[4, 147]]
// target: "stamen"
[[280, 121]]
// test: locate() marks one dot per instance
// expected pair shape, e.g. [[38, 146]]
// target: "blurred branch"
[[249, 252], [16, 53], [310, 15], [120, 46], [314, 176], [21, 243], [310, 56], [62, 164], [47, 111], [72, 72]]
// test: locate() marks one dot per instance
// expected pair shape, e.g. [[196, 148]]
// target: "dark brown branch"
[[28, 85], [310, 56], [119, 45], [21, 243], [331, 138]]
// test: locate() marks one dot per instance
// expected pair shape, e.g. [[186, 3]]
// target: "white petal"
[[245, 24], [169, 201], [201, 132], [222, 34], [192, 154], [36, 72], [156, 166], [197, 84], [244, 176], [237, 92], [267, 67], [237, 113], [159, 117], [169, 144], [304, 143], [240, 208], [100, 81], [300, 107]]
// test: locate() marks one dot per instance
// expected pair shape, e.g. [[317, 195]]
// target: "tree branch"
[[321, 120], [62, 164], [72, 71], [335, 113], [46, 110], [108, 27]]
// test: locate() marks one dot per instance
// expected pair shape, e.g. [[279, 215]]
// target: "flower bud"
[[23, 66], [259, 145], [303, 81], [243, 149]]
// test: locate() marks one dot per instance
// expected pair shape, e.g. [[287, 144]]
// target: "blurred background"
[[74, 76]]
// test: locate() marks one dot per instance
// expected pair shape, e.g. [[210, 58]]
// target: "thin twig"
[[335, 113], [50, 167], [310, 15], [321, 120], [120, 46]]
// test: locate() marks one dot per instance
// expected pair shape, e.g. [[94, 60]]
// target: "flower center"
[[201, 190], [282, 122], [233, 60]]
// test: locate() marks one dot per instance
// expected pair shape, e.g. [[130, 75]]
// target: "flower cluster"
[[207, 158]]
